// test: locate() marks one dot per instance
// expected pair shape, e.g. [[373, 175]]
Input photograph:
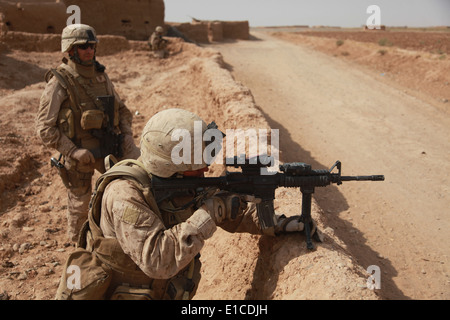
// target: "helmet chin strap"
[[76, 58]]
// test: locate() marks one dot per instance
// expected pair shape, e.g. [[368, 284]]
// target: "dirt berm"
[[235, 266]]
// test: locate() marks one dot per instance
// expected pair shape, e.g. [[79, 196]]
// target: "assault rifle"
[[110, 141], [251, 182]]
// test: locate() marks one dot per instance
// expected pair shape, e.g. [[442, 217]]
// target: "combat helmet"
[[159, 30], [77, 34], [157, 145]]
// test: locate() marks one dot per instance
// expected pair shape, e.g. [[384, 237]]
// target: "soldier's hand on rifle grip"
[[223, 206]]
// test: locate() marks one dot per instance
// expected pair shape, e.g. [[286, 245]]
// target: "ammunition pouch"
[[126, 292], [66, 122], [85, 277], [92, 119]]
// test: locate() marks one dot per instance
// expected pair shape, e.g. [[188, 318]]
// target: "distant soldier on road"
[[81, 116]]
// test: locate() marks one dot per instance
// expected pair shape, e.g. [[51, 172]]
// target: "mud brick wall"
[[133, 19], [36, 16]]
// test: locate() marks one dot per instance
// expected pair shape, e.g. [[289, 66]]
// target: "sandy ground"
[[331, 107], [399, 225], [33, 245]]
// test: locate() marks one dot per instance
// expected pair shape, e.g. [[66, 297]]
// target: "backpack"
[[89, 269]]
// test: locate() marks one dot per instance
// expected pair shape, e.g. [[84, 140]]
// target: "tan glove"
[[83, 156], [223, 206], [293, 224]]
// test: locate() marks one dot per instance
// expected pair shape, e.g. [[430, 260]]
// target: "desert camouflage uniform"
[[87, 82], [162, 246], [136, 246], [157, 43]]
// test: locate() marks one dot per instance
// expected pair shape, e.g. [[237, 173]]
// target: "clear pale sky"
[[343, 13]]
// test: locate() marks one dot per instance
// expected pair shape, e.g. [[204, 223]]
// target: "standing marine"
[[83, 118]]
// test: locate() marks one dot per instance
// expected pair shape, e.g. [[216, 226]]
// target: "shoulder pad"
[[124, 170], [59, 77]]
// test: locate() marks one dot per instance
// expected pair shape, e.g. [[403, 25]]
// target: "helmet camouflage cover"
[[157, 144], [77, 34]]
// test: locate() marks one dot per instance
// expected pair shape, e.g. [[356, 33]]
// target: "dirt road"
[[328, 109]]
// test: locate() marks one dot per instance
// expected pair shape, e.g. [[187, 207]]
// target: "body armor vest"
[[83, 113], [121, 269]]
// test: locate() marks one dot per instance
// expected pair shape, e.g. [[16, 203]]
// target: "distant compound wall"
[[236, 30], [213, 31], [134, 19]]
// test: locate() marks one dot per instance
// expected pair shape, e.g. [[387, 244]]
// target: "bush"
[[384, 42]]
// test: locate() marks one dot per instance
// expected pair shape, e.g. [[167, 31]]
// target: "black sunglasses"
[[86, 45]]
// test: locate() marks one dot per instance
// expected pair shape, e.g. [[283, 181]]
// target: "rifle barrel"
[[363, 178]]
